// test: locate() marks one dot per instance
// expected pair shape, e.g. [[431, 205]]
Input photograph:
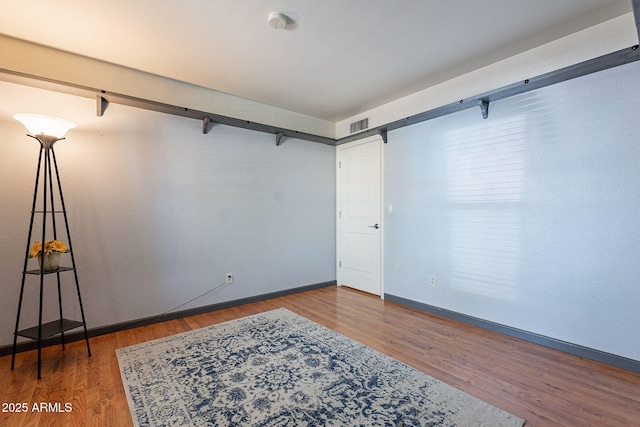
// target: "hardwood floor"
[[544, 386]]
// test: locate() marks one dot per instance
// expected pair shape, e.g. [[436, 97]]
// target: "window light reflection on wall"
[[486, 177]]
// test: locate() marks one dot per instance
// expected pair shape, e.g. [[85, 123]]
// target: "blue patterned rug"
[[280, 369]]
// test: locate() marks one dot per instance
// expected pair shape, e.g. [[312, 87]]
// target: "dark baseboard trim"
[[567, 347], [102, 330]]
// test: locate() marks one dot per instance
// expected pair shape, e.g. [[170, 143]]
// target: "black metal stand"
[[61, 325]]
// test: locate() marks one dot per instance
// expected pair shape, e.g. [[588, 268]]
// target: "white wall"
[[530, 218], [159, 212]]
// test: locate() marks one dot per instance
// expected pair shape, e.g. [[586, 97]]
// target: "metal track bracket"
[[101, 105], [207, 124], [484, 107]]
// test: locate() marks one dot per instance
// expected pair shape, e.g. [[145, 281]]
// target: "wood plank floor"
[[544, 386]]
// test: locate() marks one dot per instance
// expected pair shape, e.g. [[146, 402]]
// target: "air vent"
[[359, 125]]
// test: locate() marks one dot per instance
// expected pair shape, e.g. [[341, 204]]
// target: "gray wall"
[[530, 218], [159, 212]]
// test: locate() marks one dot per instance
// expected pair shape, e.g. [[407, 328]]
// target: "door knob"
[[376, 226]]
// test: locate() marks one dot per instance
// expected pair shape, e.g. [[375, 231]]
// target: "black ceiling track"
[[103, 98], [601, 63], [635, 5], [210, 119], [483, 100]]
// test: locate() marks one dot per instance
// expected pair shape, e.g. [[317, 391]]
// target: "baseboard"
[[102, 330], [567, 347]]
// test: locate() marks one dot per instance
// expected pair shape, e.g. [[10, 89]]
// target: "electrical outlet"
[[432, 280], [229, 278]]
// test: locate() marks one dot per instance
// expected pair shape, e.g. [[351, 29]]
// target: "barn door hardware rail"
[[103, 98], [101, 105]]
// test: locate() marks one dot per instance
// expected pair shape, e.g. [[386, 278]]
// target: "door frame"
[[376, 139]]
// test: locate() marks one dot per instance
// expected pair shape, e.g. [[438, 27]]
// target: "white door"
[[359, 215]]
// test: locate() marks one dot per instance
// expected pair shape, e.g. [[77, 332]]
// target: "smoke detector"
[[277, 20]]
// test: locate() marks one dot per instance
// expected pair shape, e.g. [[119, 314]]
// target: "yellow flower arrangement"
[[49, 247]]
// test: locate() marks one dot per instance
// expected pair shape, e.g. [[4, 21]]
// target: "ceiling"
[[335, 58]]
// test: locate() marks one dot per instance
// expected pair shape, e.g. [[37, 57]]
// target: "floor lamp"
[[47, 131]]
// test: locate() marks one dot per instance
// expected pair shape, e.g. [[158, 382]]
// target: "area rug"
[[280, 369]]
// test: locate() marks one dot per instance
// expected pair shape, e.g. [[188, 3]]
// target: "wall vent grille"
[[359, 125]]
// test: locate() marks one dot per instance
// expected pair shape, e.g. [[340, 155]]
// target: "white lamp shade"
[[38, 124]]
